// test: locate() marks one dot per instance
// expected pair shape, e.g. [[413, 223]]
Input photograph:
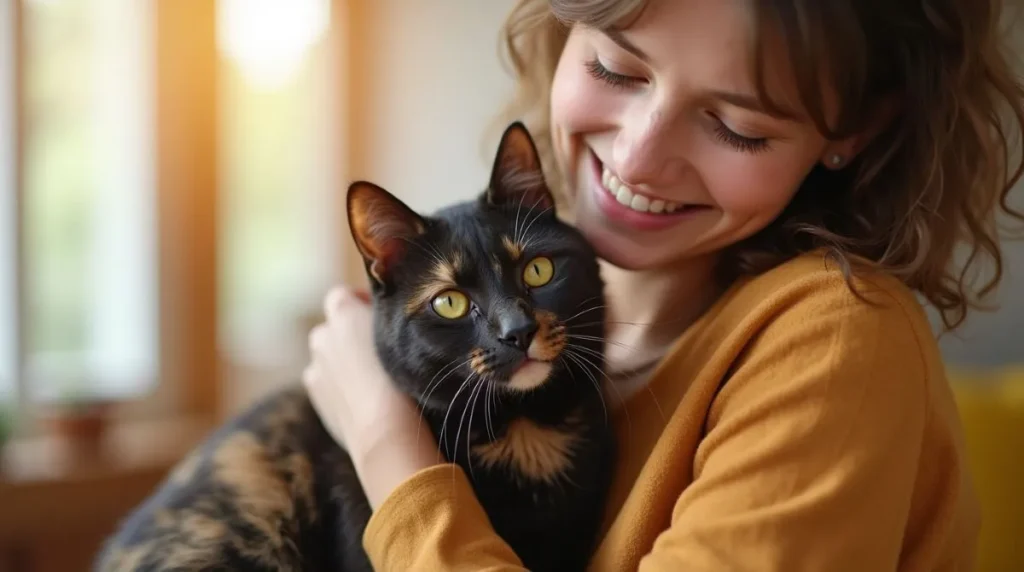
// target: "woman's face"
[[668, 152]]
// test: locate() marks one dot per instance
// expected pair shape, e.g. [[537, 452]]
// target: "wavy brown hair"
[[929, 190]]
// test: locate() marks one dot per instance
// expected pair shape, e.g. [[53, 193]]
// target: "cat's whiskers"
[[487, 411], [432, 253], [572, 349], [581, 312], [444, 422], [429, 389], [593, 380], [611, 384], [471, 405], [603, 340], [526, 238], [519, 234], [515, 225], [601, 356]]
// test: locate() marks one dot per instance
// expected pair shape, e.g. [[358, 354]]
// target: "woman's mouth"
[[635, 201], [623, 205]]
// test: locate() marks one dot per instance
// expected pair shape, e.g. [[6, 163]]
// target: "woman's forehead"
[[713, 45]]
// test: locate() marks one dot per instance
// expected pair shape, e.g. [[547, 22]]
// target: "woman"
[[785, 403]]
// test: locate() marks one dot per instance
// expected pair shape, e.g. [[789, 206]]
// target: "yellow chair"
[[991, 404]]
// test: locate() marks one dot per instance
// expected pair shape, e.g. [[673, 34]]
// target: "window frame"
[[184, 126]]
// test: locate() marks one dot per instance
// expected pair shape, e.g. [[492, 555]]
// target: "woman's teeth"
[[636, 202]]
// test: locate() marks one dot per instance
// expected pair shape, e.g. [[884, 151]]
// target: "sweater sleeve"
[[433, 521], [811, 449]]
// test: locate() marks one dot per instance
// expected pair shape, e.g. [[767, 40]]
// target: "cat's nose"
[[517, 329]]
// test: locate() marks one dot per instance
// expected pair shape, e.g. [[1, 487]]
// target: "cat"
[[489, 314]]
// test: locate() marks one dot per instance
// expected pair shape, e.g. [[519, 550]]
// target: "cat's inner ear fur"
[[517, 178], [382, 227]]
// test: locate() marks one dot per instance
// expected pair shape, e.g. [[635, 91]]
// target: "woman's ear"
[[839, 154]]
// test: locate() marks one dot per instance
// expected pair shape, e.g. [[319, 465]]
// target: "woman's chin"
[[619, 252]]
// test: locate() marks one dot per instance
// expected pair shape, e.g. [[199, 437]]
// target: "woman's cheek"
[[754, 185], [580, 104]]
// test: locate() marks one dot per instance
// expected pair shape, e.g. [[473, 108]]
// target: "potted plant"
[[6, 427], [80, 418]]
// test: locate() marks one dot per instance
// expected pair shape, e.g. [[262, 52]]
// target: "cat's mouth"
[[530, 375], [530, 369]]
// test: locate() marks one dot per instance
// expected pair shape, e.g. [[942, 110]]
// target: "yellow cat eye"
[[451, 304], [539, 272]]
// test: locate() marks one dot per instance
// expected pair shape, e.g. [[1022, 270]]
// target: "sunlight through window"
[[269, 39], [278, 163]]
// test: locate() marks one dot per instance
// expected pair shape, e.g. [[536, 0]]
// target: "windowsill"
[[129, 446], [45, 486]]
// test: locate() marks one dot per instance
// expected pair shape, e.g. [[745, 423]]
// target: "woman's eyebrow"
[[623, 42], [742, 100], [752, 103]]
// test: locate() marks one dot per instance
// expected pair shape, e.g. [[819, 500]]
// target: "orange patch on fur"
[[537, 452], [243, 465], [440, 278], [478, 362], [515, 250], [550, 339]]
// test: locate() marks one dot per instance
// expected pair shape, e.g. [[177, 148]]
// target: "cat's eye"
[[451, 304], [539, 272]]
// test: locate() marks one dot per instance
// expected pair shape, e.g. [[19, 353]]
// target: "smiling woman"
[[772, 188], [744, 97]]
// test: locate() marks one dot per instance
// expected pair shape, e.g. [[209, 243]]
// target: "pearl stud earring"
[[836, 159]]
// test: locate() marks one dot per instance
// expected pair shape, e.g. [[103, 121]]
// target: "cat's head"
[[497, 289]]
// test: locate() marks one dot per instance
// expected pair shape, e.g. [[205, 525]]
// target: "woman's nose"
[[648, 151]]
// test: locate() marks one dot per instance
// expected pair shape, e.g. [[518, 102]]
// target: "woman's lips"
[[620, 204]]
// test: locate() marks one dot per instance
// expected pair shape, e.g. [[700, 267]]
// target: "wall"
[[430, 81]]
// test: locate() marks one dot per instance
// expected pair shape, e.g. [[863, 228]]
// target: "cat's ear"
[[381, 225], [517, 178]]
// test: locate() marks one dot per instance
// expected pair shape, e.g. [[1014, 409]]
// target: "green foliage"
[[6, 422]]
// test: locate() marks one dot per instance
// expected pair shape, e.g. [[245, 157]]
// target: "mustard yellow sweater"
[[803, 430]]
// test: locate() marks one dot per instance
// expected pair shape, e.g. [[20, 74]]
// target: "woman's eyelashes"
[[720, 130], [600, 72], [733, 139]]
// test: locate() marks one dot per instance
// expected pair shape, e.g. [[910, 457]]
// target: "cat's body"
[[489, 314]]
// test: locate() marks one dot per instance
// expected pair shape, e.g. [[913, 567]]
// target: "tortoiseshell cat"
[[490, 310]]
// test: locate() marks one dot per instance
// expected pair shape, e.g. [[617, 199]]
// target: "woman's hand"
[[378, 425]]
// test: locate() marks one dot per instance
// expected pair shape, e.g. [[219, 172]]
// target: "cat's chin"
[[529, 376]]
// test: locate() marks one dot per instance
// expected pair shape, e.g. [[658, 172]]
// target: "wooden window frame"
[[184, 119]]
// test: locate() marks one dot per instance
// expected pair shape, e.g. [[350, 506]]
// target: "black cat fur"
[[270, 490]]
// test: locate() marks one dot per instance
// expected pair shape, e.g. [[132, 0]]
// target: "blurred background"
[[171, 213]]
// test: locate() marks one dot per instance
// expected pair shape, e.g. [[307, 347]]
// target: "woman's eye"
[[598, 71], [538, 272], [451, 304], [739, 142]]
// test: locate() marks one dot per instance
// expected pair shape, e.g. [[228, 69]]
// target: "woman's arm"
[[426, 515]]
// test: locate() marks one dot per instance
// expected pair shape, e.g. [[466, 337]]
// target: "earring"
[[836, 159]]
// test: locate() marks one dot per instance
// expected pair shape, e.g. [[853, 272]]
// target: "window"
[[169, 197], [89, 241], [8, 218], [280, 190]]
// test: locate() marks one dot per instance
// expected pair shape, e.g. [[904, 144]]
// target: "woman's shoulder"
[[814, 288], [807, 310]]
